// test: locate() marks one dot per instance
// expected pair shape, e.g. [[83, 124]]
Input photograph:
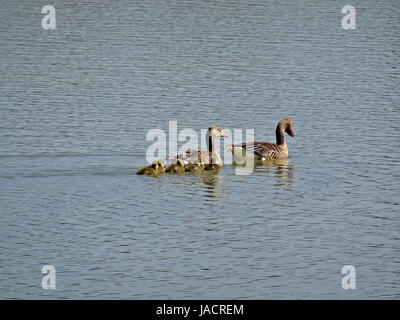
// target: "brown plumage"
[[267, 150], [210, 155]]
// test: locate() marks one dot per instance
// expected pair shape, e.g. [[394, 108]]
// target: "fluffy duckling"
[[212, 167], [149, 170], [178, 167], [161, 166], [195, 167]]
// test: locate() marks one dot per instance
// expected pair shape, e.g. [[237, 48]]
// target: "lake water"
[[77, 102]]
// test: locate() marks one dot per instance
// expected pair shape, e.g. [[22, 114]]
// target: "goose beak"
[[223, 134], [291, 133]]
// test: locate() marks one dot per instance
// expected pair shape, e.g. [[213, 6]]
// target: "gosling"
[[178, 167], [161, 166], [212, 167], [149, 170], [195, 167]]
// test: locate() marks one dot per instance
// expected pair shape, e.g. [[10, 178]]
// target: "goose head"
[[286, 125], [216, 132]]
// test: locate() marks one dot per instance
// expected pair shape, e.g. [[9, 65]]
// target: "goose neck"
[[211, 147], [280, 135]]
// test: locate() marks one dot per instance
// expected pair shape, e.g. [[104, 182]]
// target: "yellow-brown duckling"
[[195, 167], [178, 167], [212, 167], [161, 166], [149, 170]]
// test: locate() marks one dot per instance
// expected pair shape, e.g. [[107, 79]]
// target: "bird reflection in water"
[[211, 181], [280, 169], [277, 168]]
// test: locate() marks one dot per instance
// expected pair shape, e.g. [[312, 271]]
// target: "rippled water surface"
[[76, 104]]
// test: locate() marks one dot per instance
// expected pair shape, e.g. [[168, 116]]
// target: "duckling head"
[[161, 164], [154, 165]]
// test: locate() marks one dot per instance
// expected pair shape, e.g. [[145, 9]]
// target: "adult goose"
[[267, 150], [209, 156]]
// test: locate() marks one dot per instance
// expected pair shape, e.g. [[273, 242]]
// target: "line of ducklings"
[[158, 168]]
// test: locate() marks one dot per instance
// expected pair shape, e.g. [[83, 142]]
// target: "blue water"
[[76, 104]]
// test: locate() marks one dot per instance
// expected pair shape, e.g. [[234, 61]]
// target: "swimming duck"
[[149, 170], [178, 167], [267, 150], [209, 156]]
